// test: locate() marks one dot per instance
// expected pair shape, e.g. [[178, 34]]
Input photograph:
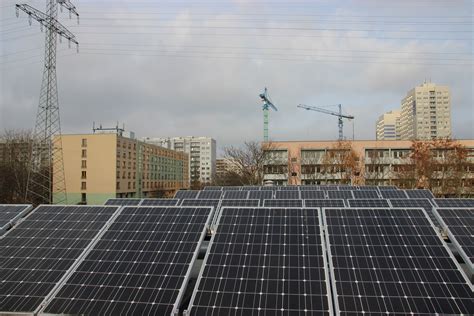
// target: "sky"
[[196, 67]]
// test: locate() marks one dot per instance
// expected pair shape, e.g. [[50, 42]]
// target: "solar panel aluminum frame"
[[78, 260], [27, 209], [329, 292], [453, 239], [177, 202], [187, 276], [329, 254]]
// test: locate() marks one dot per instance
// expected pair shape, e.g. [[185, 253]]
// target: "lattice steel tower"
[[46, 181]]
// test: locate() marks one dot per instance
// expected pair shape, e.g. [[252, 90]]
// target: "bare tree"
[[15, 152], [342, 162], [246, 163]]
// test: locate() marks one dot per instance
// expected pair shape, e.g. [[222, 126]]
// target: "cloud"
[[187, 73]]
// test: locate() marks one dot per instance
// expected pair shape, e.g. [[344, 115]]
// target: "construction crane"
[[267, 105], [338, 114]]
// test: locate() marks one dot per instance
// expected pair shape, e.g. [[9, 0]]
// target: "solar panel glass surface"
[[264, 262], [283, 203], [235, 195], [368, 203], [287, 195], [186, 194], [366, 194], [392, 261], [340, 195], [313, 194], [424, 203], [393, 194], [419, 194], [10, 213], [209, 195], [159, 202], [39, 251], [124, 201], [254, 203], [138, 266], [454, 202], [324, 203]]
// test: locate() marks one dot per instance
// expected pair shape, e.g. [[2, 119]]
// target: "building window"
[[84, 153], [84, 175], [84, 198], [83, 185], [84, 163], [84, 142], [118, 186]]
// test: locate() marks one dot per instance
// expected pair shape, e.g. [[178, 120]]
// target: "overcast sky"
[[192, 67]]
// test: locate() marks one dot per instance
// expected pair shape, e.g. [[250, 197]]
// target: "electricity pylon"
[[46, 180]]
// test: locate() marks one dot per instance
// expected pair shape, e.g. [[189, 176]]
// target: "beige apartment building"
[[426, 113], [388, 126], [375, 163], [107, 165]]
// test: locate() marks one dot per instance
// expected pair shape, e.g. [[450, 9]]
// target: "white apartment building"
[[201, 150], [388, 126], [426, 113]]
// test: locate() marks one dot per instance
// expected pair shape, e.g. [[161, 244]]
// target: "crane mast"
[[340, 116]]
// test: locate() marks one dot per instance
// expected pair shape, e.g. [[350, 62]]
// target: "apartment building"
[[369, 162], [108, 165], [426, 113], [202, 154], [388, 126]]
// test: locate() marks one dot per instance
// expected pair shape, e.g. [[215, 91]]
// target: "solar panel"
[[42, 248], [159, 202], [393, 194], [459, 223], [264, 262], [419, 194], [313, 194], [283, 203], [123, 201], [287, 195], [254, 203], [260, 195], [209, 195], [454, 202], [11, 213], [423, 203], [235, 195], [186, 194], [347, 188], [324, 203], [387, 188], [213, 188], [140, 265], [310, 188], [288, 188], [204, 202], [340, 195], [232, 188], [368, 203], [392, 262], [268, 188], [366, 194], [251, 188]]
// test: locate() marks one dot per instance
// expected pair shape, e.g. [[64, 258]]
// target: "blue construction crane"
[[339, 115], [267, 105]]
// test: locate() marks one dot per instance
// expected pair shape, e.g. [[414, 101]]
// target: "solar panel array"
[[137, 259], [139, 266], [391, 261], [38, 252], [11, 213], [460, 224], [264, 261]]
